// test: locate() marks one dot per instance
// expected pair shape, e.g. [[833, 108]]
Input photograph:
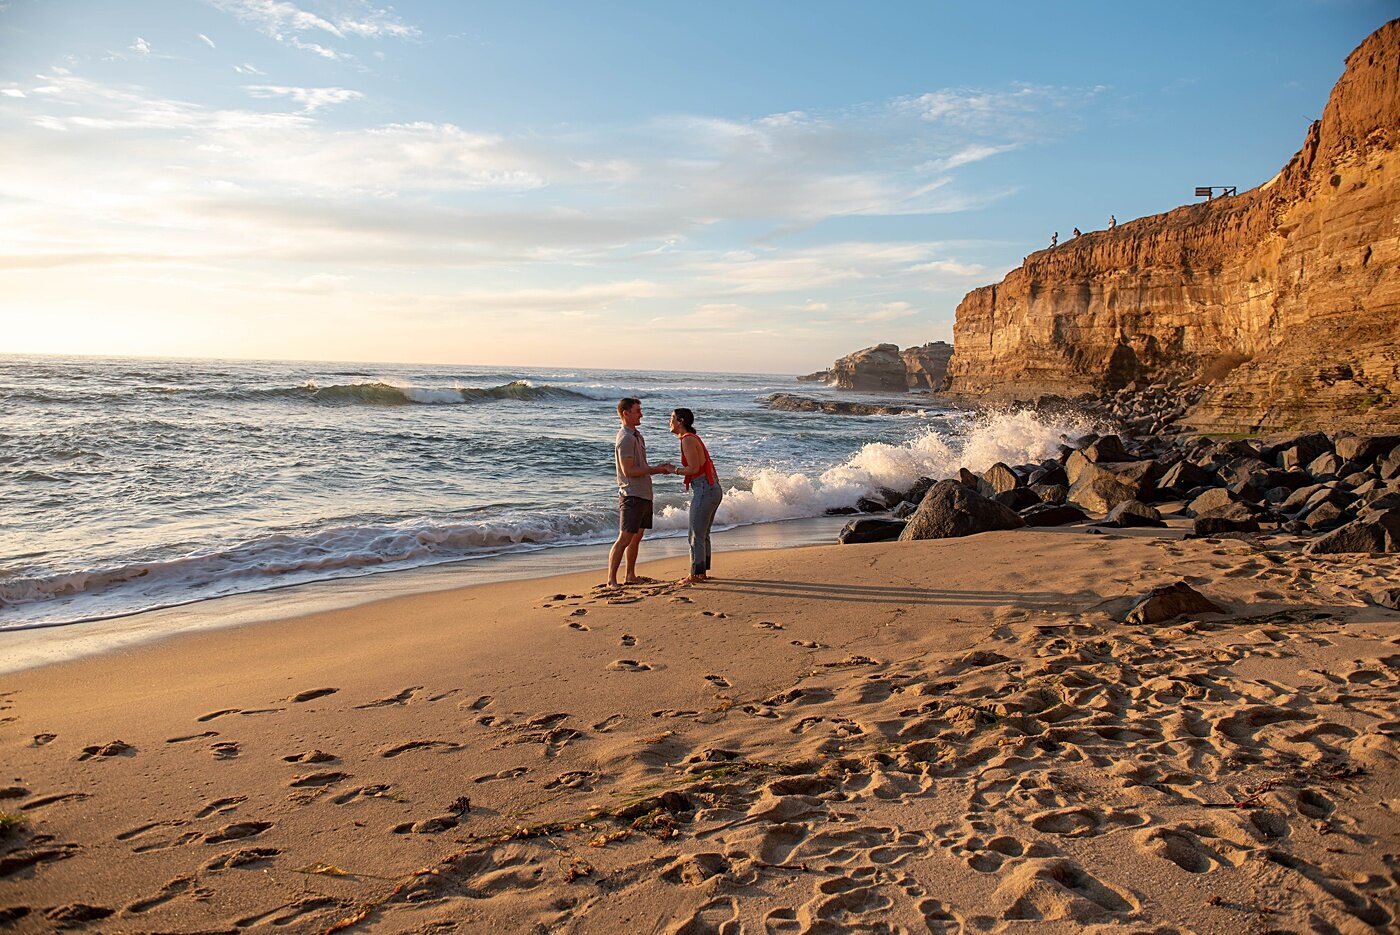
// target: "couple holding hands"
[[635, 492]]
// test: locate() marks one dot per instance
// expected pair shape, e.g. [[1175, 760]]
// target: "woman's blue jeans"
[[704, 501]]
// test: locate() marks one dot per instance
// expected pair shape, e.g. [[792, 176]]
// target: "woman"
[[701, 478]]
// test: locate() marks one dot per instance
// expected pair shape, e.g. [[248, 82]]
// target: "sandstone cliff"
[[1286, 298], [926, 366]]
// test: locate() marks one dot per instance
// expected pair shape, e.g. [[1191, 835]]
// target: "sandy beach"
[[951, 735]]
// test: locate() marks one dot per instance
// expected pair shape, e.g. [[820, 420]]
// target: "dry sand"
[[906, 737]]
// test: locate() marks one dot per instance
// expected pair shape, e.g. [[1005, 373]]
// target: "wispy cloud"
[[291, 24], [675, 223], [140, 46], [310, 98], [207, 41]]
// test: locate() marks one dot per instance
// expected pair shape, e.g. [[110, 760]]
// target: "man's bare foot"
[[692, 579]]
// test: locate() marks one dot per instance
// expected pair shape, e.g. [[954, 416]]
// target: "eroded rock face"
[[926, 366], [1286, 298], [877, 369]]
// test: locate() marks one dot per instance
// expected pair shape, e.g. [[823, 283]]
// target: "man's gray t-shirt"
[[631, 444]]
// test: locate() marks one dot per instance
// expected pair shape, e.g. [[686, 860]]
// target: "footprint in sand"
[[808, 644], [173, 888], [216, 714], [186, 739], [608, 723], [380, 791], [442, 745], [311, 694], [76, 914], [628, 665], [717, 616], [402, 698], [219, 806], [768, 625], [245, 857], [575, 625], [112, 748], [579, 779], [480, 703], [515, 773], [579, 613], [237, 831], [132, 833], [46, 800], [311, 756], [286, 914], [718, 681], [42, 739], [13, 792], [628, 640], [224, 751], [317, 779]]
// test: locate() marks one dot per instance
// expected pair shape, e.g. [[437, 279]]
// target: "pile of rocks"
[[1343, 489]]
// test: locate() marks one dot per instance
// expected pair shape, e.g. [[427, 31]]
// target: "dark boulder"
[[1373, 531], [921, 487], [1051, 493], [1303, 451], [1053, 514], [1131, 513], [870, 530], [951, 509], [1325, 466], [1366, 449], [1212, 499], [1168, 601], [1049, 475], [1107, 448], [1018, 498], [1183, 476], [1205, 526], [1001, 478], [1101, 487], [904, 509]]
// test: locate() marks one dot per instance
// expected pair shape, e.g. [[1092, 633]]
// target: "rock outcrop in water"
[[1285, 299], [877, 369], [884, 368]]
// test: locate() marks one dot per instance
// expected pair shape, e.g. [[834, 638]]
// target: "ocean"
[[131, 484]]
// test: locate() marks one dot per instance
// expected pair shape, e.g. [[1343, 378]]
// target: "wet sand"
[[954, 735]]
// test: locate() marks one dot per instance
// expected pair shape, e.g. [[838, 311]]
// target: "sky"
[[719, 186]]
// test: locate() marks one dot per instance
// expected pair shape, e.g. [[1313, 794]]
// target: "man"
[[633, 488]]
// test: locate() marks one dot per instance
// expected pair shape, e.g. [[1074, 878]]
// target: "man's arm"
[[630, 468]]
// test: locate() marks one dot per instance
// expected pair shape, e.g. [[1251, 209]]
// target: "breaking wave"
[[753, 496]]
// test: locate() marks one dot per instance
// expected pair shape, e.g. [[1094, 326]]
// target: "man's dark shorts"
[[634, 514]]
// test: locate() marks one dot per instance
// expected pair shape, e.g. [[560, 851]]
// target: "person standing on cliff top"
[[1112, 222], [1054, 238], [634, 492]]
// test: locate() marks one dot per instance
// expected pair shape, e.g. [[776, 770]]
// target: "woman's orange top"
[[711, 474]]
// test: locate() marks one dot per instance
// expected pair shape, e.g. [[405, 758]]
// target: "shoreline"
[[957, 732], [47, 644]]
